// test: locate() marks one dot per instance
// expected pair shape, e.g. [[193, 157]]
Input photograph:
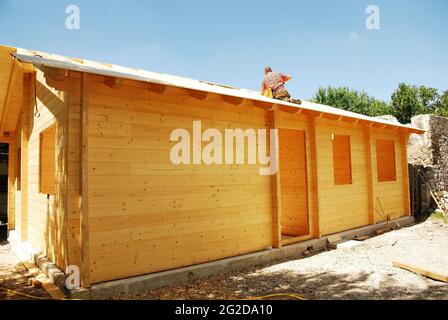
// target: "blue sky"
[[319, 42]]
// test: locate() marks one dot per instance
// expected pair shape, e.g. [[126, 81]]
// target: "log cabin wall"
[[122, 209], [146, 214]]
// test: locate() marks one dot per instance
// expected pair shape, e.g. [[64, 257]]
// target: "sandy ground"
[[363, 272], [14, 276]]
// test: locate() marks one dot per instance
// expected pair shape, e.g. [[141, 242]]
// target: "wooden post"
[[276, 188], [28, 87], [368, 157], [12, 163], [404, 163], [314, 177], [84, 219]]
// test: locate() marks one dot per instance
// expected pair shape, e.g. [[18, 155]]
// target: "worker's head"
[[267, 70]]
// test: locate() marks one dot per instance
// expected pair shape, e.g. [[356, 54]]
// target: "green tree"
[[428, 99], [409, 101], [405, 103], [379, 108], [442, 105], [351, 100]]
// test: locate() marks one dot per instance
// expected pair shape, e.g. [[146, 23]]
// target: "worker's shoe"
[[296, 101]]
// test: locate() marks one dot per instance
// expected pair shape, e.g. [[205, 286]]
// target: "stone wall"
[[430, 150]]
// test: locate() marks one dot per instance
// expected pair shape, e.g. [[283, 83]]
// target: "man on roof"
[[273, 86]]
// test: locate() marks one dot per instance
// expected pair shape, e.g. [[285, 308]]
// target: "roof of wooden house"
[[42, 59]]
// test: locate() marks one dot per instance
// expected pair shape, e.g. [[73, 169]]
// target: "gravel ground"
[[363, 272], [14, 276]]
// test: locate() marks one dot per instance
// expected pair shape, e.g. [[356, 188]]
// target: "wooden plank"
[[422, 271], [62, 179], [276, 190], [404, 136], [369, 174], [47, 161], [12, 158], [47, 284], [25, 135], [314, 176], [85, 91]]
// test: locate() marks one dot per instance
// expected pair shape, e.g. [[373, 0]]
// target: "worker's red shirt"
[[274, 81]]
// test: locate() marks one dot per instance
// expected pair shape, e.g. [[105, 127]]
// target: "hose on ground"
[[277, 295]]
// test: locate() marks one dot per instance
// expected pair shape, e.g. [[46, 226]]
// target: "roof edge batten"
[[85, 66]]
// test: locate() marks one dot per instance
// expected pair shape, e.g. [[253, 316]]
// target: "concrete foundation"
[[182, 275]]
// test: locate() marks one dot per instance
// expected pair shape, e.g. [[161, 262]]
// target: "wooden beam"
[[157, 88], [276, 188], [198, 95], [233, 100], [113, 82], [369, 174], [310, 113], [288, 109], [314, 177], [350, 120], [85, 92], [28, 88], [12, 163], [55, 73], [263, 105], [422, 271], [329, 116], [69, 84], [404, 136], [248, 103], [213, 97], [15, 76]]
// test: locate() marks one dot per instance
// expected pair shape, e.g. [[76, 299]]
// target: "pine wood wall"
[[147, 215], [122, 208]]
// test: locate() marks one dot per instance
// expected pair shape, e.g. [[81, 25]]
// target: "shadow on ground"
[[14, 276], [318, 286]]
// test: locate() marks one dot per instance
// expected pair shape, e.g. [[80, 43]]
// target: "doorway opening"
[[293, 184]]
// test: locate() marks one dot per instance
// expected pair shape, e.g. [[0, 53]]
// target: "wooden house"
[[91, 182]]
